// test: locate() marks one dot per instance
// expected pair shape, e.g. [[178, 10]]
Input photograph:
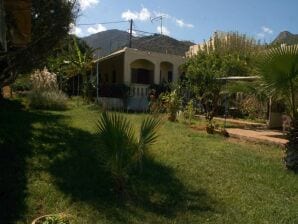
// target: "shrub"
[[172, 103], [22, 84], [120, 150], [51, 100], [45, 93], [189, 112], [155, 103], [254, 108]]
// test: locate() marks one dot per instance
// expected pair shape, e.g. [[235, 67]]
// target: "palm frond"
[[148, 136], [117, 142], [119, 149], [279, 71], [148, 131]]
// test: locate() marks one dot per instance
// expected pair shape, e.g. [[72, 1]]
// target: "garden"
[[65, 158], [50, 165]]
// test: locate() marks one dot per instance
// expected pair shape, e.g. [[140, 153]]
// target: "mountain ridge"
[[286, 37], [112, 40]]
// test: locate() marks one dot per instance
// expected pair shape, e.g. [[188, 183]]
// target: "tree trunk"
[[73, 86], [78, 85], [291, 152], [1, 93]]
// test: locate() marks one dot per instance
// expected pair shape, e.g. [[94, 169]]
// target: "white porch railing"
[[138, 90]]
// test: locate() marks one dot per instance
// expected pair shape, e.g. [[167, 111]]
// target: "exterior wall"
[[107, 67], [132, 55], [124, 60], [193, 50], [165, 68], [109, 103], [132, 103]]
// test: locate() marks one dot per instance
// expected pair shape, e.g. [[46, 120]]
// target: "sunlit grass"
[[191, 177]]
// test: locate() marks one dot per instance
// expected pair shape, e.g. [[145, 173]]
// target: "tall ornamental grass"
[[45, 93]]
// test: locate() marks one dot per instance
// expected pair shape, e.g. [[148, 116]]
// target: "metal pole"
[[226, 105], [161, 25], [130, 34]]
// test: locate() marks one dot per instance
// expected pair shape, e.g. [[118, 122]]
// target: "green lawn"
[[48, 164]]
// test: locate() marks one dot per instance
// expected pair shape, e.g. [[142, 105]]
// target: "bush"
[[172, 103], [45, 93], [189, 112], [253, 108], [51, 100], [22, 84], [120, 150]]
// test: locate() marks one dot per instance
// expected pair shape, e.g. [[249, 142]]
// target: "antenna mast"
[[158, 18]]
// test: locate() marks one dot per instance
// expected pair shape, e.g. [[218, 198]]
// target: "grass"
[[48, 164]]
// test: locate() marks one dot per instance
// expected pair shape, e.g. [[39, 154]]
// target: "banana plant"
[[81, 62]]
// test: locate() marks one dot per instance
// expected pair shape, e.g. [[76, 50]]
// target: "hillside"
[[162, 44], [112, 40], [108, 41], [286, 37]]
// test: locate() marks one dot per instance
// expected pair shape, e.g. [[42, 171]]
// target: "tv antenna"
[[156, 19]]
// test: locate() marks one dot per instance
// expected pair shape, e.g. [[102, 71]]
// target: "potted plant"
[[52, 219]]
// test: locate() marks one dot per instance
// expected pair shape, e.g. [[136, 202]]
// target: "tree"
[[203, 72], [225, 54], [72, 57], [120, 150], [279, 70], [50, 23], [81, 60]]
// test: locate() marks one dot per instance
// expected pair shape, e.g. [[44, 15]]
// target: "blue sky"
[[193, 20]]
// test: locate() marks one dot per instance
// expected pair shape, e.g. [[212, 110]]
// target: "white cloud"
[[178, 22], [143, 15], [96, 29], [164, 15], [75, 30], [182, 24], [267, 30], [88, 3], [164, 30], [129, 15], [134, 33], [260, 35]]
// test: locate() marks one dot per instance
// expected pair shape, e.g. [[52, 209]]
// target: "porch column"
[[175, 73], [156, 73], [126, 71]]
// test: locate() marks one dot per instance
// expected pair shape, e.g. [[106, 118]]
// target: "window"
[[141, 76], [170, 76], [114, 77]]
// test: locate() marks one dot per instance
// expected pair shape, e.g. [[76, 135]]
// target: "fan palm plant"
[[279, 70], [120, 149]]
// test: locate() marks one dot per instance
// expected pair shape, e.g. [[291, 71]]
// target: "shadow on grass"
[[79, 174], [16, 133], [69, 155]]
